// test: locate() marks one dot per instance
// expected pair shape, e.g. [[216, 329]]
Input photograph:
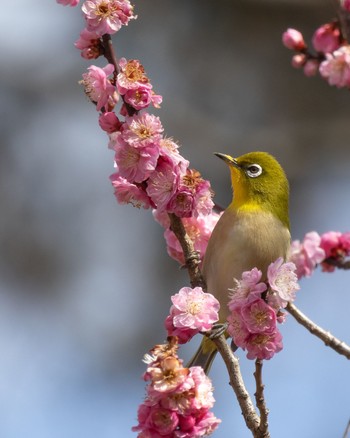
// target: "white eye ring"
[[254, 170]]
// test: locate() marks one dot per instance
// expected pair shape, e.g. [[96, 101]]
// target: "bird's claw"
[[217, 330]]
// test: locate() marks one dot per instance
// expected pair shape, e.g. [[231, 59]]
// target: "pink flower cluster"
[[306, 255], [336, 246], [160, 176], [134, 85], [150, 171], [102, 17], [331, 56], [315, 249], [255, 308], [178, 399], [192, 311], [107, 16]]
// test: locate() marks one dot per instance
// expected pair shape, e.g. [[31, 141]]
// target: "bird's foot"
[[217, 330]]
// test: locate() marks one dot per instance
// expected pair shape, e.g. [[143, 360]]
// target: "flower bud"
[[298, 60], [311, 67], [326, 38], [293, 39]]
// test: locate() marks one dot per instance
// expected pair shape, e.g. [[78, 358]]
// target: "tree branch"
[[329, 340], [260, 400], [236, 381], [192, 260]]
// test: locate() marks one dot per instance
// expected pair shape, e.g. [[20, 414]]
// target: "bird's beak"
[[229, 160]]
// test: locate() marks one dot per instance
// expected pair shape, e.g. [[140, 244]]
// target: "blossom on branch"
[[293, 39], [336, 246], [195, 309], [255, 308], [307, 255], [99, 88], [90, 44], [134, 85], [107, 16], [178, 399], [326, 38], [336, 67], [283, 281], [128, 193]]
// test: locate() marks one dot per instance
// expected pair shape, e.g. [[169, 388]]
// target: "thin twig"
[[347, 430], [192, 260], [338, 263], [260, 400], [236, 381], [330, 340]]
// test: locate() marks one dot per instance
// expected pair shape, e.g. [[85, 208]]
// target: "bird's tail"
[[204, 356]]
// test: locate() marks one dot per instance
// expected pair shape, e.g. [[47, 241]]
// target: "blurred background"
[[85, 283]]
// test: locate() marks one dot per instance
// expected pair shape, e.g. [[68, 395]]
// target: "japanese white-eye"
[[252, 232]]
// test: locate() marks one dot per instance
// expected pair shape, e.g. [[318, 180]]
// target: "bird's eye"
[[254, 170]]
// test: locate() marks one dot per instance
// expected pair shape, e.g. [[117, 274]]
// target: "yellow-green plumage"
[[252, 232]]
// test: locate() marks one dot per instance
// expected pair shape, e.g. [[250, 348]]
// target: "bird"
[[253, 231]]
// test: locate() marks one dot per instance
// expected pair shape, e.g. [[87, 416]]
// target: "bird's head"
[[259, 182]]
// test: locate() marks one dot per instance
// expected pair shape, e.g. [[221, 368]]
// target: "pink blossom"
[[128, 193], [237, 329], [203, 425], [97, 86], [181, 203], [131, 76], [167, 376], [203, 394], [169, 149], [136, 164], [283, 280], [89, 43], [192, 197], [293, 39], [264, 345], [109, 122], [336, 245], [142, 129], [330, 243], [142, 97], [156, 421], [258, 316], [307, 255], [344, 241], [162, 184], [107, 16], [326, 38], [184, 334], [194, 309], [249, 285], [68, 2], [336, 67]]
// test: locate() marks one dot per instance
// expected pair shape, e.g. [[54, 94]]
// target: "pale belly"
[[239, 243]]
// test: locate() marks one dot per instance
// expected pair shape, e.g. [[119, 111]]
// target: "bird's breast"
[[239, 242]]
